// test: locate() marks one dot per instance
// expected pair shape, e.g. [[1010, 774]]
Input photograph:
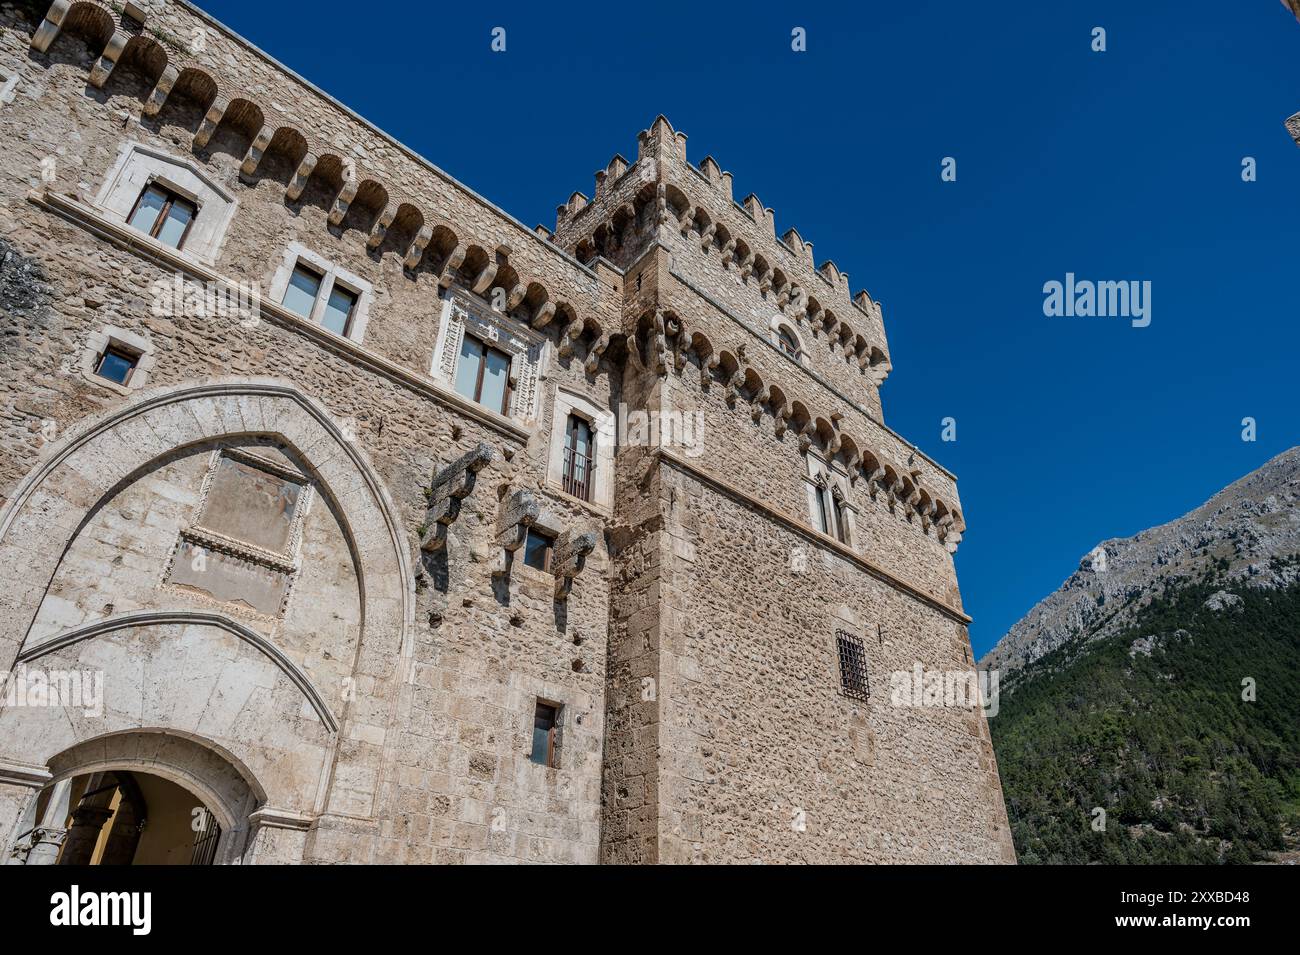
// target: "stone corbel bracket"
[[519, 512], [451, 486], [569, 558]]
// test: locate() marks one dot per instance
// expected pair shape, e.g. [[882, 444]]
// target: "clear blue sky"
[[1117, 165]]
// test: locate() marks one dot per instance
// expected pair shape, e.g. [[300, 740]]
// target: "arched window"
[[786, 341], [823, 511], [828, 500], [782, 334]]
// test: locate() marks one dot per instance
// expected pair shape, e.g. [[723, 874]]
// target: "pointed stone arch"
[[45, 510]]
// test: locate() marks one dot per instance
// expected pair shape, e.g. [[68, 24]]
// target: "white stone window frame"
[[775, 327], [832, 476], [567, 402], [139, 166], [331, 275], [111, 336], [528, 351], [288, 561]]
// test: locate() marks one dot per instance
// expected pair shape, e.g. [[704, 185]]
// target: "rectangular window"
[[116, 364], [853, 666], [537, 550], [483, 374], [579, 457], [304, 286], [823, 511], [163, 215], [338, 310], [841, 522], [546, 719]]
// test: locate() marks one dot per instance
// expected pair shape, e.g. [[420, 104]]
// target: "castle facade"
[[345, 518]]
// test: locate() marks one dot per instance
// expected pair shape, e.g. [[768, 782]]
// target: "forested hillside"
[[1150, 726]]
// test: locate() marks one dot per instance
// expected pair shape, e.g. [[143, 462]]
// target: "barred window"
[[853, 666]]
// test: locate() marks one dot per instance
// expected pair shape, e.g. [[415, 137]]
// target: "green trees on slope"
[[1184, 768]]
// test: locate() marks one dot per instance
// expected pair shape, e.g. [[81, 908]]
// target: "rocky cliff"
[[1244, 534]]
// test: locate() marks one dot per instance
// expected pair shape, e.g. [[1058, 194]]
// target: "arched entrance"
[[121, 817], [176, 656], [139, 798]]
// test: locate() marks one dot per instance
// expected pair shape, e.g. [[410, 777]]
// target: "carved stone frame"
[[286, 562]]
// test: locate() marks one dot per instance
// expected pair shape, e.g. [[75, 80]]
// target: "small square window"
[[537, 550], [546, 722], [116, 364], [163, 215], [853, 666]]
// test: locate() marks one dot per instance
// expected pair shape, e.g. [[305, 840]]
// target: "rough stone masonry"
[[362, 562]]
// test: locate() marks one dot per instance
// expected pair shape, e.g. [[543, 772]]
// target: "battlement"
[[664, 196]]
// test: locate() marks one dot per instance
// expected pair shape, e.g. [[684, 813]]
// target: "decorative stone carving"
[[451, 486], [597, 349], [569, 558], [518, 513], [300, 177], [501, 332], [545, 312], [659, 346]]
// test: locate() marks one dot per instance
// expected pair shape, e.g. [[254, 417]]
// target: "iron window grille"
[[853, 667]]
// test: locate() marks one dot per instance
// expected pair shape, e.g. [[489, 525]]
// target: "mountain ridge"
[[1239, 533]]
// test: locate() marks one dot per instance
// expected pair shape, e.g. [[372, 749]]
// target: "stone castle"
[[345, 518]]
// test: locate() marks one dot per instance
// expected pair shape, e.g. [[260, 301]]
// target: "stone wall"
[[763, 757]]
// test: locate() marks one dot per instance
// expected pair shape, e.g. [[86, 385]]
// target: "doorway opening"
[[123, 817]]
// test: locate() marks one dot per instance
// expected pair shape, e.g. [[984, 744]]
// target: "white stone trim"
[[158, 618], [774, 327], [528, 351], [138, 166], [568, 401], [332, 275], [836, 478], [98, 342], [8, 84], [269, 817], [23, 775]]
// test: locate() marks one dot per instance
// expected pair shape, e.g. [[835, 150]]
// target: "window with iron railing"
[[579, 457]]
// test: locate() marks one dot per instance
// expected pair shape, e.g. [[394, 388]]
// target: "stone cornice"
[[23, 774], [358, 118]]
